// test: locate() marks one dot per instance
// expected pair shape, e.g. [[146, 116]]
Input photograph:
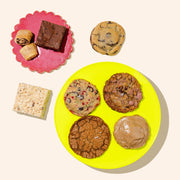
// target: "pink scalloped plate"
[[47, 60]]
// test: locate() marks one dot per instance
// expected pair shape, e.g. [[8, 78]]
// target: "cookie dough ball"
[[81, 97], [89, 137], [122, 92], [131, 132], [107, 38]]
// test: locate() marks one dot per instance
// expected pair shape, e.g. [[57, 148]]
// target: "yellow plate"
[[149, 108]]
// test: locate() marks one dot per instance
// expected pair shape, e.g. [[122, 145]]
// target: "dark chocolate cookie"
[[107, 38], [89, 137], [122, 92], [81, 97]]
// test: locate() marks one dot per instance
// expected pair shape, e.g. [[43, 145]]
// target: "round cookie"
[[89, 137], [122, 92], [107, 38], [81, 97], [131, 132]]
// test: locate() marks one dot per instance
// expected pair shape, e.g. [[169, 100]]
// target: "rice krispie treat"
[[31, 100]]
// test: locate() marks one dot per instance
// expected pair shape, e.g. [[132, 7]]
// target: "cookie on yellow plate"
[[89, 137], [81, 97]]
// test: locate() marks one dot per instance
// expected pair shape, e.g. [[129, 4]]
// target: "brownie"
[[122, 92], [50, 35], [89, 137]]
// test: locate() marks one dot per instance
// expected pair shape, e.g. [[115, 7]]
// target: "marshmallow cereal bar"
[[31, 100]]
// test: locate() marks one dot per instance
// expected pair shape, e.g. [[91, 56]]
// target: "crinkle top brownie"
[[122, 92], [50, 35], [81, 97]]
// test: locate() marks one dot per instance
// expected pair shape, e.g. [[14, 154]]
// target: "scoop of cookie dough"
[[131, 132], [107, 38]]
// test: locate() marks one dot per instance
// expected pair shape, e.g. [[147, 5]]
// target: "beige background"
[[30, 148]]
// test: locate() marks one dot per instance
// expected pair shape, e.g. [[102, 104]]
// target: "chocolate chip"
[[75, 93], [101, 40], [108, 35], [23, 41], [33, 103], [17, 40], [68, 100], [120, 89], [81, 108], [81, 97], [96, 92], [90, 88], [115, 52]]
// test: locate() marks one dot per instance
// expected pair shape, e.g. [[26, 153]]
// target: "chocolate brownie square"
[[50, 35]]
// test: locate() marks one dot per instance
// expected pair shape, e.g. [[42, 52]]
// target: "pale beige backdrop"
[[30, 148]]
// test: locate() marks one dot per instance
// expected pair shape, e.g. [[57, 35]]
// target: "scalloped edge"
[[45, 13]]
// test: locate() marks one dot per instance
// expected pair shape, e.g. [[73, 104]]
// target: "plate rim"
[[126, 163]]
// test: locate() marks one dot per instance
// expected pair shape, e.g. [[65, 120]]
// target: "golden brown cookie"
[[122, 92], [107, 38], [89, 137], [81, 97]]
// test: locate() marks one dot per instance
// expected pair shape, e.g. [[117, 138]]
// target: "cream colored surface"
[[30, 148]]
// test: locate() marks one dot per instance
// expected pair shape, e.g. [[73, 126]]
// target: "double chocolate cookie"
[[122, 92], [81, 97], [89, 137], [107, 38]]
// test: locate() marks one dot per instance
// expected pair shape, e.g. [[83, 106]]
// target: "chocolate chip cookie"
[[81, 97], [89, 137], [122, 92], [107, 38]]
